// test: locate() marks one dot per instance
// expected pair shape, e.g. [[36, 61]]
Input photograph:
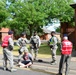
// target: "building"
[[47, 35], [69, 30], [3, 33]]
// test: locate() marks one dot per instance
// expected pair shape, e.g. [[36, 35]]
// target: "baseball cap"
[[65, 35], [10, 32]]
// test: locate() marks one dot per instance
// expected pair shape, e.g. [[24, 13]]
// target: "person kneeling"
[[27, 62]]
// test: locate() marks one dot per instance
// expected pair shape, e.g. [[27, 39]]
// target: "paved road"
[[22, 72], [40, 68]]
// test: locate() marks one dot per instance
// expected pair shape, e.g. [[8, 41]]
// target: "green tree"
[[58, 29], [3, 12], [31, 15]]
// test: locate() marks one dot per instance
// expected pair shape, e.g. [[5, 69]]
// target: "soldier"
[[35, 44], [22, 41], [53, 46]]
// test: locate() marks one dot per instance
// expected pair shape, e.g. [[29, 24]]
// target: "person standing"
[[53, 46], [7, 45], [66, 51], [22, 41], [35, 44]]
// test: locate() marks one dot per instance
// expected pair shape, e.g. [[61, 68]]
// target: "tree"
[[31, 15], [58, 29], [3, 12], [28, 14]]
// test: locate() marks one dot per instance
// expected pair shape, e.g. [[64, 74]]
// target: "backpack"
[[35, 40], [5, 42], [22, 42]]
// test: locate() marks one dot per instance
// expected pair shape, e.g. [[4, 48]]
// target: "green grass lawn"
[[44, 49]]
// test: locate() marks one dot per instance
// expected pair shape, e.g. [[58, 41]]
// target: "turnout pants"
[[34, 53]]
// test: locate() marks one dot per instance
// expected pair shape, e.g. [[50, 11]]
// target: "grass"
[[44, 49]]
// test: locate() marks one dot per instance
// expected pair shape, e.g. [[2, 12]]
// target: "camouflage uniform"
[[22, 44], [35, 41], [53, 46]]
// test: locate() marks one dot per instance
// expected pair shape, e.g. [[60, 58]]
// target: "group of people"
[[24, 53], [29, 57], [35, 44]]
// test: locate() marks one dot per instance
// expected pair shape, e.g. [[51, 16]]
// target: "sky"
[[74, 0], [52, 26]]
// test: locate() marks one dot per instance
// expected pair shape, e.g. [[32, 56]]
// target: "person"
[[66, 51], [8, 45], [22, 41], [28, 60], [35, 44], [53, 46]]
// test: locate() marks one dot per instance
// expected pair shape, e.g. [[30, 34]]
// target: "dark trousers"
[[64, 59]]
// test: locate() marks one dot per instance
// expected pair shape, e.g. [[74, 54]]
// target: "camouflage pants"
[[7, 55], [34, 53], [22, 49], [53, 53]]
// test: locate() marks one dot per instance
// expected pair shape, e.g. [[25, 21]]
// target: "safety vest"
[[5, 41], [66, 47]]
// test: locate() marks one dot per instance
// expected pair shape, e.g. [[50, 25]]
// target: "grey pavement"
[[22, 72], [46, 66], [41, 68]]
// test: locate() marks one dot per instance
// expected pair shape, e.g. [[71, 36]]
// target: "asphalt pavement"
[[42, 67]]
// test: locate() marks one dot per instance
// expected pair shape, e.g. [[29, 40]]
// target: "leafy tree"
[[58, 29], [31, 15], [3, 12]]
